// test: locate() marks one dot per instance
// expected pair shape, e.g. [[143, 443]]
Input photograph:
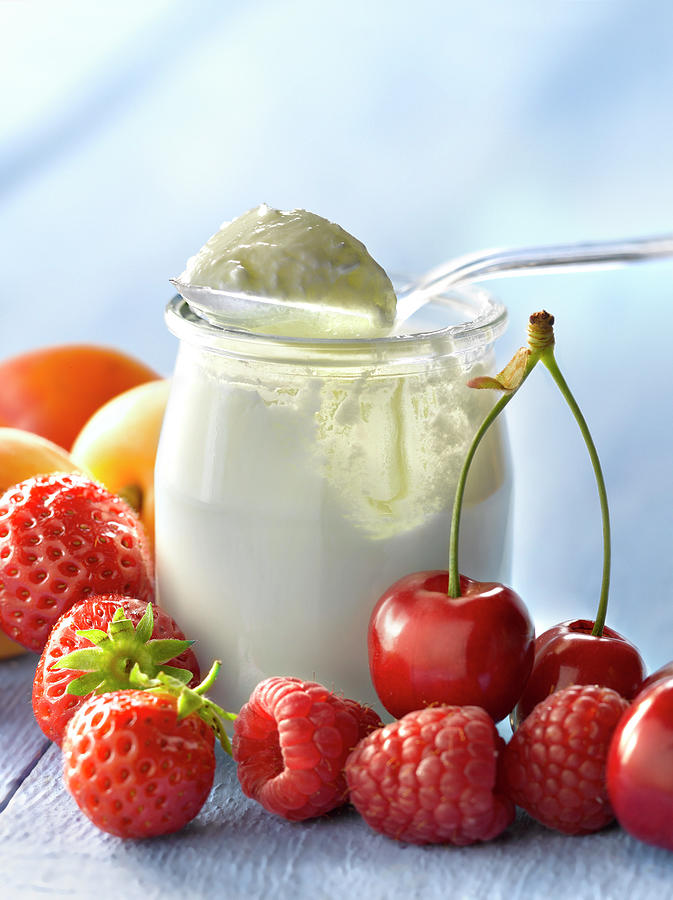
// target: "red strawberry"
[[554, 765], [291, 740], [432, 777], [118, 649], [62, 539], [134, 767]]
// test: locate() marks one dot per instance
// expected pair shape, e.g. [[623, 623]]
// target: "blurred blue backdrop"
[[129, 132]]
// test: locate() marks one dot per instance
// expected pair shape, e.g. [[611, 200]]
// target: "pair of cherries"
[[439, 637]]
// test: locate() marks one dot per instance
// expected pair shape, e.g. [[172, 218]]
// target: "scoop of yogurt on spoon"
[[289, 273], [298, 275]]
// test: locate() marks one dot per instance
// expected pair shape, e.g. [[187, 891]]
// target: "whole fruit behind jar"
[[52, 391], [118, 446]]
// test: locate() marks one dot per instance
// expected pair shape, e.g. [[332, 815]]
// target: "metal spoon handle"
[[503, 263]]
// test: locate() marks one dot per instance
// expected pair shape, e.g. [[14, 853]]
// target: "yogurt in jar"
[[298, 478]]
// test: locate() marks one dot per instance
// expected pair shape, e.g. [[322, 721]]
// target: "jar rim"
[[486, 320]]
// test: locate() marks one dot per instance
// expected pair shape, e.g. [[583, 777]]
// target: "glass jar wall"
[[297, 479]]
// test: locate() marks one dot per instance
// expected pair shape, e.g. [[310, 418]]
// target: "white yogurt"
[[322, 280], [297, 480]]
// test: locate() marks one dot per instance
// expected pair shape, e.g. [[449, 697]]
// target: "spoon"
[[503, 263], [273, 315]]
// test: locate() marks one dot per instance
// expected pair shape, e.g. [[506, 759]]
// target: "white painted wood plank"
[[21, 741], [235, 849]]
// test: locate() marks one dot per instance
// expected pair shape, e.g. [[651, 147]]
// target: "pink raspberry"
[[291, 740], [432, 777], [554, 765], [368, 719]]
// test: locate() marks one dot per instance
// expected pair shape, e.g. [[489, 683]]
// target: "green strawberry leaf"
[[141, 680], [188, 702], [95, 635], [126, 657], [120, 625], [145, 626], [121, 649], [223, 714], [184, 676], [163, 649], [88, 659], [85, 684]]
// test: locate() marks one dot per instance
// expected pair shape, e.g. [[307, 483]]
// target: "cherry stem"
[[549, 361], [540, 348], [454, 574]]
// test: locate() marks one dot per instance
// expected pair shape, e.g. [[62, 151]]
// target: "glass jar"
[[297, 479]]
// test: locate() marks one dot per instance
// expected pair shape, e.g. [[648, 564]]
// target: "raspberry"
[[554, 765], [368, 719], [291, 740], [432, 777]]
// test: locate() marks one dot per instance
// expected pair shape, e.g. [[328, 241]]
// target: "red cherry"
[[426, 647], [661, 674], [640, 767], [569, 654]]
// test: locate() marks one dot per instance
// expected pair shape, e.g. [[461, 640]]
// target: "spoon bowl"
[[272, 315]]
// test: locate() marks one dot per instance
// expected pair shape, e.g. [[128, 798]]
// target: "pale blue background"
[[130, 131]]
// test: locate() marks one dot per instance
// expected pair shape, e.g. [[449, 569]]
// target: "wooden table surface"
[[235, 849]]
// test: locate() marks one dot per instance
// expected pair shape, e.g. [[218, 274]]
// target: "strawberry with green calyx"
[[189, 700], [117, 651], [94, 646], [140, 762], [581, 651]]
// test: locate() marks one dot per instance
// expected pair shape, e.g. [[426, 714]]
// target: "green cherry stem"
[[540, 337], [548, 359], [454, 576], [540, 349]]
